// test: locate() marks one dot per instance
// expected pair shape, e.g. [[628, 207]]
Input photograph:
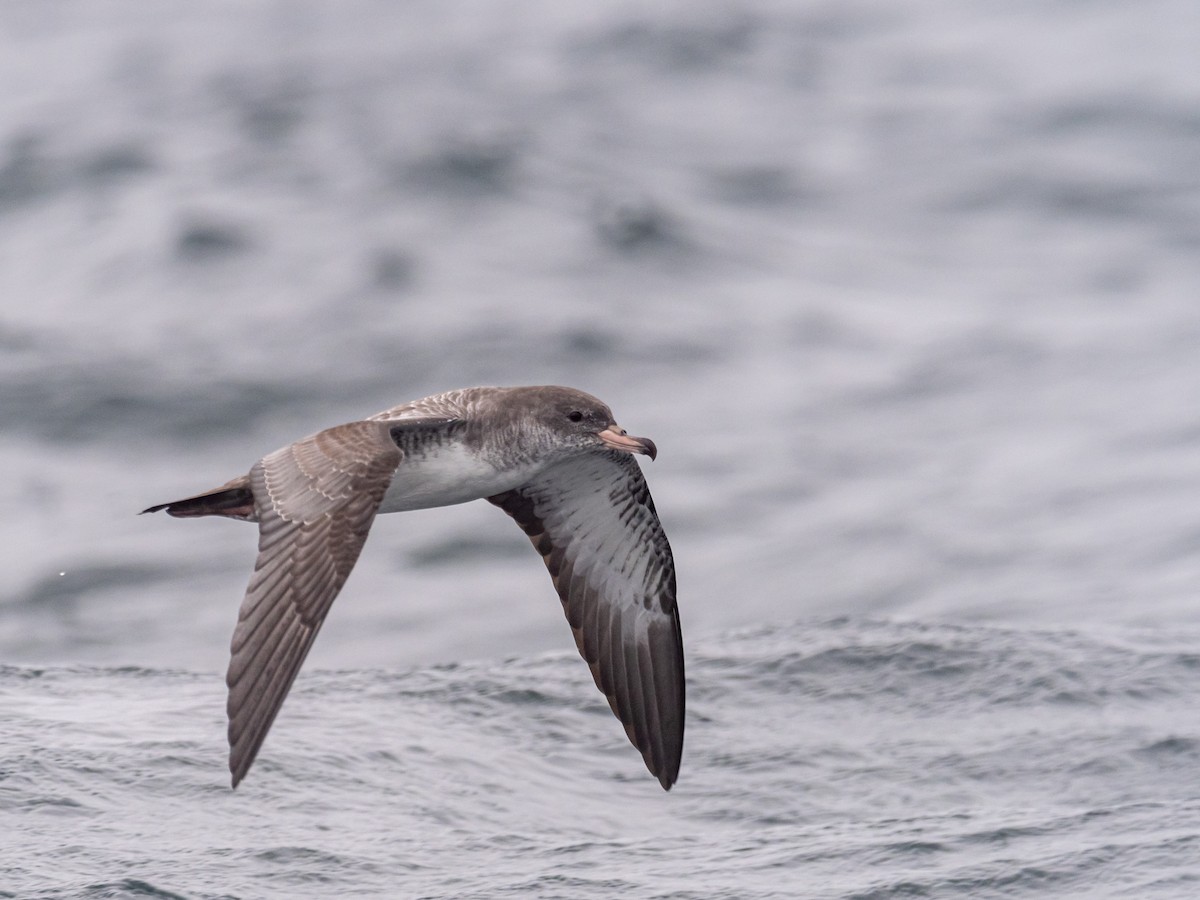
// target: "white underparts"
[[450, 473]]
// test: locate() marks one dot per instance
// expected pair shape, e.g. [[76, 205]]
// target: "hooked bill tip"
[[617, 438]]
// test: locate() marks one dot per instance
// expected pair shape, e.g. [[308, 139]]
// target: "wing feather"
[[593, 522], [315, 502]]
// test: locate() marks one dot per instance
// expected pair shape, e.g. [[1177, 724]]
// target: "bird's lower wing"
[[592, 520], [315, 502]]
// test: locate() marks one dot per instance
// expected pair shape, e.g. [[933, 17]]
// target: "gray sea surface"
[[908, 296]]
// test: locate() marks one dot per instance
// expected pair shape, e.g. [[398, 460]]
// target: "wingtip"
[[238, 766], [668, 775]]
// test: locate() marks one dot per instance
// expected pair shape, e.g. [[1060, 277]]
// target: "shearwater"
[[551, 457]]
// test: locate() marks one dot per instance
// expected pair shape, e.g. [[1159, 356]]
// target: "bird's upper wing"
[[448, 405], [592, 520], [315, 501]]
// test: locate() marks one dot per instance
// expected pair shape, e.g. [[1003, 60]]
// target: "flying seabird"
[[551, 457]]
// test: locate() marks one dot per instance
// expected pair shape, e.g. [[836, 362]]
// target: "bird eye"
[[575, 415]]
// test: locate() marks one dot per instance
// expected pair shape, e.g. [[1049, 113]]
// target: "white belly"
[[451, 474]]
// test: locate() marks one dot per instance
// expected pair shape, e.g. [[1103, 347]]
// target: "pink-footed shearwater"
[[550, 457]]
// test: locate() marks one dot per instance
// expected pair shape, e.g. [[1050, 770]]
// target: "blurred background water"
[[907, 297]]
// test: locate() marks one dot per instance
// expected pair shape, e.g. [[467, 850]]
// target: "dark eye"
[[575, 415]]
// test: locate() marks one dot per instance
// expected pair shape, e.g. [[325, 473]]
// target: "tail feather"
[[233, 500]]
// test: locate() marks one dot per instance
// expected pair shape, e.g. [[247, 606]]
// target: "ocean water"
[[906, 296], [835, 758]]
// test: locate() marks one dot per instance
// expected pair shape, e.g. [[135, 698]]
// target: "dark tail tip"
[[236, 503]]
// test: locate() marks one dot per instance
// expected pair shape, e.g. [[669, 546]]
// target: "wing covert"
[[592, 520], [315, 501]]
